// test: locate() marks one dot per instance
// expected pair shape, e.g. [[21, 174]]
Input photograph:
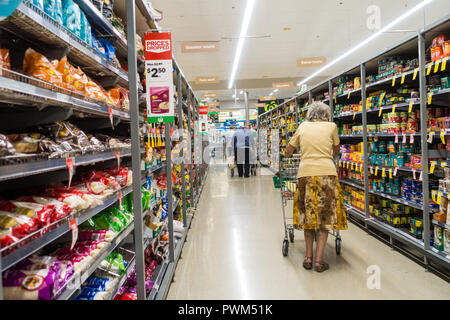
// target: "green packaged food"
[[114, 263]]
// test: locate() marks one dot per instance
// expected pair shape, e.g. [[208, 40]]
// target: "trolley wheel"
[[338, 246], [285, 248], [291, 235]]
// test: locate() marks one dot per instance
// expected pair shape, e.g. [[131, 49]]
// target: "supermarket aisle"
[[234, 252]]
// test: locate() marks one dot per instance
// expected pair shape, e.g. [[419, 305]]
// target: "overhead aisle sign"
[[159, 78]]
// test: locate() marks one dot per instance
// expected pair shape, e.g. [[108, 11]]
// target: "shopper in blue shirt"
[[243, 140]]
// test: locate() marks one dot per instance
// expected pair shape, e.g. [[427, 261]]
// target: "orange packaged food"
[[4, 59], [115, 96], [38, 66], [446, 49]]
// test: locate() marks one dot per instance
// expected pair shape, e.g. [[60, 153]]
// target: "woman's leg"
[[322, 237], [309, 239]]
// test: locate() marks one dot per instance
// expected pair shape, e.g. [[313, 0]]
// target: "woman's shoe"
[[321, 266], [307, 265]]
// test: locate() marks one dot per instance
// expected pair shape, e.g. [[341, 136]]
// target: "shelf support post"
[[330, 96], [423, 132], [169, 191], [365, 144], [135, 150], [182, 142]]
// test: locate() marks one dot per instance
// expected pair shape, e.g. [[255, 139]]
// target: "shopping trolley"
[[288, 181]]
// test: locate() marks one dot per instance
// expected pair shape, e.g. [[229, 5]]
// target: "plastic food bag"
[[4, 59], [19, 225], [110, 51], [57, 12], [39, 4], [49, 7], [6, 147], [114, 263], [36, 278], [71, 16]]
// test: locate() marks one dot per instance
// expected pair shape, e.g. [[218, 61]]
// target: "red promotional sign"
[[158, 46], [203, 110]]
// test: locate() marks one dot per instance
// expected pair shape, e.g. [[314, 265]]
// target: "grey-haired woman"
[[318, 205]]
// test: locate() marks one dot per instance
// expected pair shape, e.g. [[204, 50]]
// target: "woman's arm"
[[289, 151], [336, 150]]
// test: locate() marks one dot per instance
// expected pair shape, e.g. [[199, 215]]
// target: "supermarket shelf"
[[33, 246], [398, 199], [389, 79], [71, 291], [386, 107], [36, 24], [21, 91], [165, 285], [347, 93], [445, 257], [350, 183], [20, 170], [354, 211], [97, 19], [441, 224], [124, 277], [159, 279]]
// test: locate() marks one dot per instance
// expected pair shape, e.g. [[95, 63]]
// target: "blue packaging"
[[49, 7], [39, 4], [57, 12], [71, 16], [109, 49], [96, 283]]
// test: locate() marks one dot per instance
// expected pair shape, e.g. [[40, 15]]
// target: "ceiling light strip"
[[240, 46], [369, 39]]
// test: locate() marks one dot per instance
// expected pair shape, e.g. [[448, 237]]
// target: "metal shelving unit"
[[30, 22], [415, 45]]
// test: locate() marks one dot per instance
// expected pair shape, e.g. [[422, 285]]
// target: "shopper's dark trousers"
[[242, 158]]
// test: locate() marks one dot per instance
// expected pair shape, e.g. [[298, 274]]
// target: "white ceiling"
[[318, 28]]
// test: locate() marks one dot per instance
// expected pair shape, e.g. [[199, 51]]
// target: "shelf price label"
[[390, 173], [380, 112], [376, 171], [414, 173], [119, 198], [354, 115], [430, 97], [442, 136], [411, 138], [444, 65], [403, 78], [430, 137], [393, 81], [383, 172], [395, 171], [159, 77], [393, 108], [429, 69], [443, 164], [118, 159], [404, 137], [348, 96], [436, 66], [411, 103], [371, 170], [70, 168], [396, 138], [380, 102], [433, 165], [415, 73], [74, 227], [111, 117], [421, 176]]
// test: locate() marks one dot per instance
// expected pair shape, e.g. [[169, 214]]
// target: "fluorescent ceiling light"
[[240, 46], [241, 92], [234, 96], [276, 90], [369, 39]]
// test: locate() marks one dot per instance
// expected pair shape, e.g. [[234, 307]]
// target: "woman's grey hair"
[[318, 111]]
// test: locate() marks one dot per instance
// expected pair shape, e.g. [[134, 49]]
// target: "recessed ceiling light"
[[265, 76], [241, 92], [287, 29]]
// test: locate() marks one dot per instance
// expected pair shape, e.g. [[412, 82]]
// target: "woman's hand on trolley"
[[289, 151]]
